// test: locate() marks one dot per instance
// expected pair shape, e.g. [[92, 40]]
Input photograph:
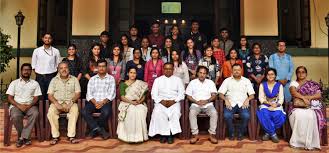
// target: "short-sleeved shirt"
[[64, 90], [256, 66], [236, 91], [24, 91], [201, 90]]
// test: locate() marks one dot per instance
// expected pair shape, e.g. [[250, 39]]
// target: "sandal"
[[73, 140], [54, 141]]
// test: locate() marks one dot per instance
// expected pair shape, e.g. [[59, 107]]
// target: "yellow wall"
[[259, 17], [8, 9], [89, 17], [317, 67], [319, 39]]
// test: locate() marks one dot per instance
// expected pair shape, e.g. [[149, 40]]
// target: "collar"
[[21, 79], [59, 77], [106, 76]]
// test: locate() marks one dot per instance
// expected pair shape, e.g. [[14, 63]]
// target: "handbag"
[[299, 103]]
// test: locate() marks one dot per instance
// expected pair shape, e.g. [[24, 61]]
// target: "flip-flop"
[[73, 140], [54, 141]]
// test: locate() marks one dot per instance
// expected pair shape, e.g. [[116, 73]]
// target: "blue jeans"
[[102, 119], [244, 115]]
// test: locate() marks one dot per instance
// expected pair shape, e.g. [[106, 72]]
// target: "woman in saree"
[[306, 117], [270, 114], [132, 126]]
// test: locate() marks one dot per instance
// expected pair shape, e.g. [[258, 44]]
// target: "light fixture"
[[166, 21], [174, 21], [183, 21]]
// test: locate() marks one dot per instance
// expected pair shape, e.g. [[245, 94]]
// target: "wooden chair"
[[252, 121], [111, 120], [62, 115], [150, 106], [200, 116], [8, 124], [323, 139]]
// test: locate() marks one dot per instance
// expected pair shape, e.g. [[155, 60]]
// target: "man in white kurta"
[[167, 92]]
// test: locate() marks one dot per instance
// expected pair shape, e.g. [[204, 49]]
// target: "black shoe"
[[275, 138], [94, 133], [266, 137], [19, 143], [170, 139], [231, 137], [240, 137], [104, 134], [163, 139], [27, 142]]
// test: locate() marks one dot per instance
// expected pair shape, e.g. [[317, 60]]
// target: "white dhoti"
[[165, 121]]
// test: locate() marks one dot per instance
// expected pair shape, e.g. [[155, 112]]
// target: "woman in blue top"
[[270, 114], [137, 63]]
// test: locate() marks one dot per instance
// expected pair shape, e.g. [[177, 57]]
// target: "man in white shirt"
[[202, 93], [236, 91], [23, 94], [45, 60], [167, 92]]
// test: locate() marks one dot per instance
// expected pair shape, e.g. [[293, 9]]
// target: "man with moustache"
[[23, 94], [63, 93]]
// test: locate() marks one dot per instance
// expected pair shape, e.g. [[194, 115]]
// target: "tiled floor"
[[153, 146]]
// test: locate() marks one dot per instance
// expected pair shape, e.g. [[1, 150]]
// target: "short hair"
[[224, 29], [26, 64], [63, 62], [133, 26], [202, 67], [168, 63], [301, 67], [155, 22], [47, 33], [256, 44], [101, 61], [281, 40], [194, 21], [105, 33], [236, 64]]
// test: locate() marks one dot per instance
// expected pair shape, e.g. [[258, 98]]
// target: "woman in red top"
[[232, 58], [153, 68], [219, 54]]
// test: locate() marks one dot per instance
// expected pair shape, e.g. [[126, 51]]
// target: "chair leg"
[[10, 127], [6, 134], [38, 130], [258, 132], [250, 130]]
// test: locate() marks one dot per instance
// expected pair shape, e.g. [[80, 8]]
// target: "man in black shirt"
[[200, 40], [134, 40], [106, 44]]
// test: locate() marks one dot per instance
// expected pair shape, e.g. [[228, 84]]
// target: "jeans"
[[102, 120], [244, 115]]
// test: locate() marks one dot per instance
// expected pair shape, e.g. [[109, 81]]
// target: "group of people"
[[169, 70]]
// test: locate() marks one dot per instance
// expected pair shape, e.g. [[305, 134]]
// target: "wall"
[[259, 17], [8, 9], [89, 17], [319, 39]]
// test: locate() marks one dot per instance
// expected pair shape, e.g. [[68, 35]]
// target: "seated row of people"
[[167, 93]]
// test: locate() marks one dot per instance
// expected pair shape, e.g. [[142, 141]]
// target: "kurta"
[[152, 71], [165, 121]]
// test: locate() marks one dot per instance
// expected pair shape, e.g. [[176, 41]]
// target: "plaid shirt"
[[101, 88]]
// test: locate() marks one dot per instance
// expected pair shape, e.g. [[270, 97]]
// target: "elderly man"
[[236, 91], [23, 94], [100, 92], [167, 92], [63, 93], [202, 93]]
